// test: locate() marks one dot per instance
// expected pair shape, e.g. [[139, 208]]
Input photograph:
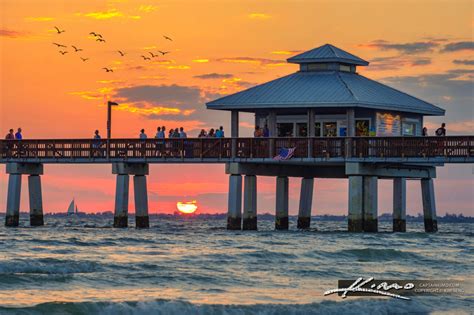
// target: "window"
[[362, 127], [330, 129], [317, 66], [409, 128], [301, 130], [285, 129], [345, 68], [317, 131]]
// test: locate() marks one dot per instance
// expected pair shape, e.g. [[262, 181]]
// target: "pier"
[[337, 123]]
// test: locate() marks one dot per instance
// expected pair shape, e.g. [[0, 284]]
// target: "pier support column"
[[36, 200], [356, 203], [121, 201], [399, 204], [281, 218], [370, 204], [429, 206], [250, 203], [141, 202], [234, 211], [12, 217], [306, 201]]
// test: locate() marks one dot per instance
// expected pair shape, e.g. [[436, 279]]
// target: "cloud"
[[464, 62], [256, 61], [179, 67], [396, 62], [109, 14], [201, 60], [39, 19], [147, 8], [259, 16], [286, 52], [13, 34], [451, 47], [406, 48], [213, 75]]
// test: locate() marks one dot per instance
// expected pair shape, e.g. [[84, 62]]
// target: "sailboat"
[[72, 209]]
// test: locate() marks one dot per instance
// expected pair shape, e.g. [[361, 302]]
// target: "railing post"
[[348, 147]]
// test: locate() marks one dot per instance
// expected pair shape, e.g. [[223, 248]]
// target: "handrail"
[[247, 148]]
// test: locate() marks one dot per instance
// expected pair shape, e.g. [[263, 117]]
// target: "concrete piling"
[[234, 212], [250, 203], [356, 203], [399, 204], [141, 202], [121, 201], [36, 200], [429, 206], [12, 217], [306, 200], [370, 204], [281, 218]]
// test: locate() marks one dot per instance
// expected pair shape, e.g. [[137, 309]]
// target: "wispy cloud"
[[147, 8], [201, 60], [286, 52], [256, 61], [109, 14], [396, 62], [259, 16], [464, 62], [213, 75], [38, 19], [178, 67], [14, 34], [406, 48], [457, 46]]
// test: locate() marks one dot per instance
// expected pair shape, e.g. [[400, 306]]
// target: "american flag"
[[284, 154]]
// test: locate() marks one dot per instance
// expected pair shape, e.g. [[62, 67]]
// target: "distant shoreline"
[[448, 218]]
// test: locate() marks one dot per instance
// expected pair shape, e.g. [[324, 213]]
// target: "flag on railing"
[[285, 154]]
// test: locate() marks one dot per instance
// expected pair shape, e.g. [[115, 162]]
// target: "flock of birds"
[[100, 39]]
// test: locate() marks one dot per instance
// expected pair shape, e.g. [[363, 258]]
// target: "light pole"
[[109, 125]]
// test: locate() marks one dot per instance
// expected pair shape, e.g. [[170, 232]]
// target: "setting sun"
[[187, 207]]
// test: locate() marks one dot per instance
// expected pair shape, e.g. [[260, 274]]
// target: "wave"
[[363, 306], [47, 266]]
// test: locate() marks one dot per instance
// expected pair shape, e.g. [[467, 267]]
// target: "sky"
[[424, 48]]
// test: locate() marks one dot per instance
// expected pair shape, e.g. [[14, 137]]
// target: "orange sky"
[[218, 47]]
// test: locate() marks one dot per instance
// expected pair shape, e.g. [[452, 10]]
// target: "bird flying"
[[121, 53], [166, 37], [58, 30], [95, 34], [84, 59], [100, 40], [152, 54], [59, 45], [145, 58], [108, 70], [76, 49], [62, 52], [163, 52]]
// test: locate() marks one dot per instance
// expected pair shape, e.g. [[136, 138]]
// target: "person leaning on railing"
[[96, 144]]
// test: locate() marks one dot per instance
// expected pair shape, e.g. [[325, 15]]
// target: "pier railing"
[[247, 148]]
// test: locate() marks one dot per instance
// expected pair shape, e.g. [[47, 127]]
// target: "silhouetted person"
[[10, 135], [182, 134], [266, 131], [220, 132], [18, 135], [424, 132], [258, 133], [441, 131], [211, 133], [142, 134], [202, 134], [96, 144]]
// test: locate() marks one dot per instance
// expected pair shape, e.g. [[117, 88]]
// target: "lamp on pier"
[[109, 124]]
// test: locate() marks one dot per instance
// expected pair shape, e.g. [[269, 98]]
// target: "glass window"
[[317, 66], [409, 128], [345, 68], [330, 129], [362, 128], [301, 130], [285, 129], [317, 131]]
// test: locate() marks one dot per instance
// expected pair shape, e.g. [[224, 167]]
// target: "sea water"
[[194, 266]]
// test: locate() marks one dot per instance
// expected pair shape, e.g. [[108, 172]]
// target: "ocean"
[[192, 265]]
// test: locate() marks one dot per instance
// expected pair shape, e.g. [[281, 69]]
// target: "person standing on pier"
[[96, 144], [266, 131], [142, 134], [424, 132], [10, 135], [441, 131], [220, 132], [18, 135], [182, 134]]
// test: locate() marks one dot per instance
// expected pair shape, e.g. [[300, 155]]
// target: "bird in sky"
[[152, 54], [168, 38], [76, 49], [100, 40], [95, 34], [108, 70], [62, 52], [163, 52], [58, 30], [121, 53], [145, 58], [84, 59], [59, 45]]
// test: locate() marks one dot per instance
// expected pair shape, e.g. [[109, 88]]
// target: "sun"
[[187, 207]]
